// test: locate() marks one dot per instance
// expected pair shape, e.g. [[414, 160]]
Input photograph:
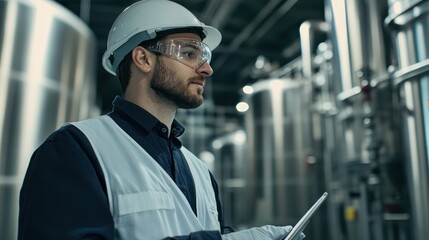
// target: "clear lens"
[[189, 52]]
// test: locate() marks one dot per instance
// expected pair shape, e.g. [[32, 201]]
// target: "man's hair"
[[123, 72]]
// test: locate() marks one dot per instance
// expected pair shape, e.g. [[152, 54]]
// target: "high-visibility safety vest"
[[144, 201]]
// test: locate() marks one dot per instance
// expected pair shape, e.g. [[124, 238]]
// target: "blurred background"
[[307, 96]]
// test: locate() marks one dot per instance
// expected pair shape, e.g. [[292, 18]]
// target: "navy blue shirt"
[[64, 193]]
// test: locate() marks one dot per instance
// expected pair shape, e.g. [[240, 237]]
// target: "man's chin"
[[192, 104]]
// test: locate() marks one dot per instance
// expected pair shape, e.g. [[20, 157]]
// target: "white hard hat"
[[142, 20]]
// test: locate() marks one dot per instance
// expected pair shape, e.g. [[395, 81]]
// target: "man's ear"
[[141, 58]]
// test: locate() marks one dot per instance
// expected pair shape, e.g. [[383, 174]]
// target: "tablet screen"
[[302, 223]]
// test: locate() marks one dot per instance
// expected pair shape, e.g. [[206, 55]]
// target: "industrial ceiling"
[[268, 29]]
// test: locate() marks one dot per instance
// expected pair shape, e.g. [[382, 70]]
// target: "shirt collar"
[[143, 118]]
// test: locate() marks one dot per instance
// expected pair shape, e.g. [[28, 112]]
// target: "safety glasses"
[[188, 52]]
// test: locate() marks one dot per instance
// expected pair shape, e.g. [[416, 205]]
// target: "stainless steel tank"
[[359, 56], [283, 175], [408, 21], [231, 170], [367, 151], [47, 77]]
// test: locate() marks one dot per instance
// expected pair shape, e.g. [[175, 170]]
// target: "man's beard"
[[169, 86]]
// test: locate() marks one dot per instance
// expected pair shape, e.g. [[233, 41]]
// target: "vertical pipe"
[[409, 22], [307, 31], [336, 17], [359, 56], [365, 218]]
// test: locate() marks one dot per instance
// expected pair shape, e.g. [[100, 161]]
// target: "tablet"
[[302, 223]]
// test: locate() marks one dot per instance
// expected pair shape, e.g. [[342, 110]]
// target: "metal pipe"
[[409, 22], [307, 31], [85, 10]]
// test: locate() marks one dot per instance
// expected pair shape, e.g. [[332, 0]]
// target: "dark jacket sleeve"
[[63, 193], [224, 228]]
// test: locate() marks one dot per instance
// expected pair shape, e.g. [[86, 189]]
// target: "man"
[[126, 175]]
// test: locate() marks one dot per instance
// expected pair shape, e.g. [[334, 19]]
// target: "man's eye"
[[189, 54]]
